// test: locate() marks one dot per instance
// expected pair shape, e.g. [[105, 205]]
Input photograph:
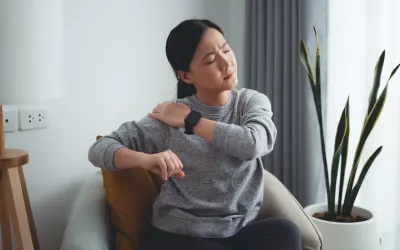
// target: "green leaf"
[[340, 137], [369, 124], [305, 59], [361, 178], [318, 106], [377, 80], [393, 72], [344, 157], [317, 71], [317, 101]]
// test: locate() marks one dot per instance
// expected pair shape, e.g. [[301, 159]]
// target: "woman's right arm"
[[125, 158], [135, 144]]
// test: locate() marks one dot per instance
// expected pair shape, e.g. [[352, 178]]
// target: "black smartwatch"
[[191, 120]]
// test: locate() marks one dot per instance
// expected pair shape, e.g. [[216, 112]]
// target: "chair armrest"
[[88, 225], [279, 202]]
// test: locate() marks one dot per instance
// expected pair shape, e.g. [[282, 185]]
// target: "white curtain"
[[358, 31]]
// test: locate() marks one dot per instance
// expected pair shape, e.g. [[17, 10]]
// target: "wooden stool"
[[14, 200]]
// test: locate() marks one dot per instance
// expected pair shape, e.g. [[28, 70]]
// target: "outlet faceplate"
[[10, 120], [32, 119]]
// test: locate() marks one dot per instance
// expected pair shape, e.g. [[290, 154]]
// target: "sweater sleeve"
[[147, 136], [254, 137]]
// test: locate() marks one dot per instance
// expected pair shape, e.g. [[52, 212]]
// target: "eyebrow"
[[213, 52]]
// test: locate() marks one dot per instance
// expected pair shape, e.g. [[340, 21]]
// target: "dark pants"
[[267, 234]]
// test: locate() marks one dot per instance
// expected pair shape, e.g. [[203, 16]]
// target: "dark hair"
[[180, 47]]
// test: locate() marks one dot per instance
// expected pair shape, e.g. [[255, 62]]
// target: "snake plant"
[[344, 205]]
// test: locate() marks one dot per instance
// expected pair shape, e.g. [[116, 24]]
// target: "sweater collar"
[[197, 105]]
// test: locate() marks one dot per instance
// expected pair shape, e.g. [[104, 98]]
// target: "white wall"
[[116, 70]]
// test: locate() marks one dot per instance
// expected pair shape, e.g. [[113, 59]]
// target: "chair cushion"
[[130, 195]]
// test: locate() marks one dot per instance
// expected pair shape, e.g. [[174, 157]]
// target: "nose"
[[225, 63]]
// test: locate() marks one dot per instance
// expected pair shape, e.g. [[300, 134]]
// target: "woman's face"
[[213, 67]]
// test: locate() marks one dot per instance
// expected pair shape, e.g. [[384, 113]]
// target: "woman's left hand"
[[171, 113]]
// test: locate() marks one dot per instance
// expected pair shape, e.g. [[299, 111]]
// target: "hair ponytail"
[[185, 90]]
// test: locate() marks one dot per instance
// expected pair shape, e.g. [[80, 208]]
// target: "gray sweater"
[[223, 184]]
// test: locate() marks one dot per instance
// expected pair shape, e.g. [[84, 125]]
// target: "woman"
[[206, 145]]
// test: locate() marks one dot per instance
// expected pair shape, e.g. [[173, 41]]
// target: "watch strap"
[[191, 120]]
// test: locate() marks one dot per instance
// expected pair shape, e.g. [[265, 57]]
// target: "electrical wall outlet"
[[32, 119], [10, 120]]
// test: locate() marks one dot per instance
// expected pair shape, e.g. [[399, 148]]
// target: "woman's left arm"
[[253, 138]]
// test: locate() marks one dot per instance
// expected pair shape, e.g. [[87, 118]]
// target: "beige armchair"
[[88, 223], [279, 202]]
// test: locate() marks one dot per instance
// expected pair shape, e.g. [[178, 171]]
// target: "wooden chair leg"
[[28, 209], [16, 207], [4, 218]]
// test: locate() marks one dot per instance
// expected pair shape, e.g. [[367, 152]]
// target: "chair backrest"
[[130, 195]]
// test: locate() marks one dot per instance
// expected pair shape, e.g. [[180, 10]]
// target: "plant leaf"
[[361, 178], [318, 106], [377, 80], [305, 59], [393, 72], [340, 136], [317, 71], [344, 157], [317, 101], [369, 124]]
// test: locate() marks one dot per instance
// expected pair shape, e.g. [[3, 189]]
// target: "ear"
[[184, 76]]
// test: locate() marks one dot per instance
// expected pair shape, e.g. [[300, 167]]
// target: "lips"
[[229, 76]]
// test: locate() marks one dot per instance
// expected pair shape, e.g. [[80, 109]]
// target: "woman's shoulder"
[[246, 95], [245, 92]]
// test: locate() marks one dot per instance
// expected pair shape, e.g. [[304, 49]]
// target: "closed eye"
[[226, 48], [213, 60], [210, 62]]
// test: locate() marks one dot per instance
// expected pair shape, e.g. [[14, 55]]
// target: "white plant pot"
[[347, 236]]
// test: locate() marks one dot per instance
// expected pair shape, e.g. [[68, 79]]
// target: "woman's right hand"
[[165, 164]]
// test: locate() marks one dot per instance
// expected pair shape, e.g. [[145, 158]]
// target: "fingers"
[[156, 109], [183, 105], [164, 169], [154, 115], [156, 112], [163, 105], [171, 166], [167, 164], [178, 163], [181, 174], [160, 106]]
